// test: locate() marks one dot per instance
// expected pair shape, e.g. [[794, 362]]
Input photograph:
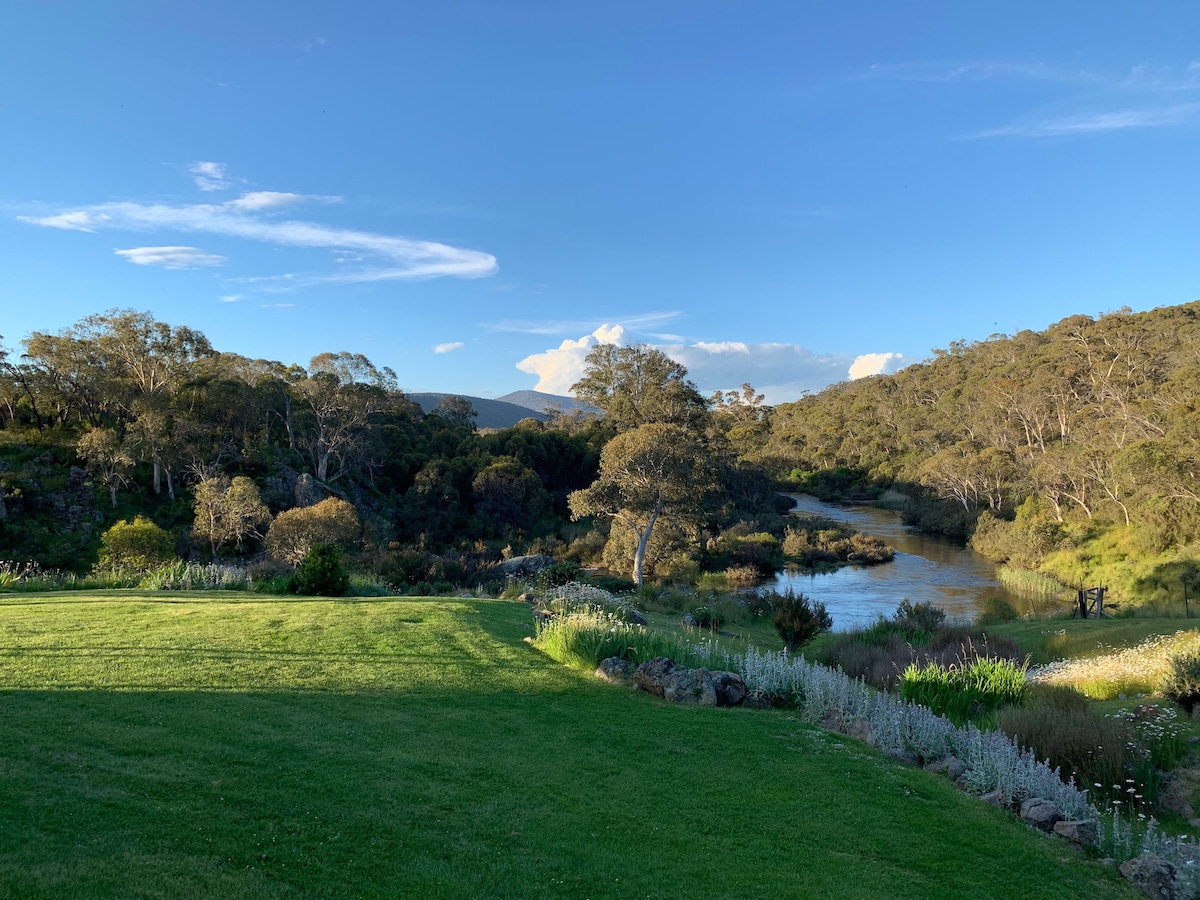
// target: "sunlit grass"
[[236, 745], [1108, 673]]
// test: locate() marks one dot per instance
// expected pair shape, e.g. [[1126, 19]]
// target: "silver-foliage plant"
[[994, 761]]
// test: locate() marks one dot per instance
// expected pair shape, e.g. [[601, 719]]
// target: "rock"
[[1080, 831], [860, 729], [1176, 797], [529, 597], [651, 675], [690, 687], [1153, 876], [834, 720], [542, 616], [950, 766], [687, 620], [995, 798], [615, 670], [731, 689], [758, 700], [905, 756], [1041, 813], [523, 566], [634, 616]]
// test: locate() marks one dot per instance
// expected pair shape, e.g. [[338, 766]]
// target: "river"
[[926, 568]]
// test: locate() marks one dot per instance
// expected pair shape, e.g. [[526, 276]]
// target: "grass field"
[[200, 746]]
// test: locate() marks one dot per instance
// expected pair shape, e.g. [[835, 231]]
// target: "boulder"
[[1041, 813], [634, 616], [687, 620], [1079, 831], [758, 700], [1153, 876], [950, 766], [834, 720], [905, 756], [731, 689], [523, 566], [615, 670], [994, 798], [651, 675], [860, 729], [690, 687]]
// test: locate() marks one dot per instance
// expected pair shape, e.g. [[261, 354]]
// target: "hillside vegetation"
[[1073, 450], [239, 746]]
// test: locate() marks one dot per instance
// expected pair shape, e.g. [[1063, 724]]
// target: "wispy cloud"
[[449, 347], [641, 322], [231, 298], [171, 257], [254, 216], [308, 46], [210, 176], [1095, 123], [947, 71]]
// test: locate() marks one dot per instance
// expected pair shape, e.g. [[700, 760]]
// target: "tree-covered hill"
[[1073, 449]]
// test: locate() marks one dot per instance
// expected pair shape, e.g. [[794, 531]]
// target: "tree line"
[[1072, 449], [121, 415]]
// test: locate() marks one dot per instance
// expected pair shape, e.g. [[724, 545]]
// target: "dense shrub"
[[137, 546], [922, 616], [1182, 681], [1077, 740], [321, 573], [615, 584], [709, 617], [297, 531], [798, 620], [561, 573]]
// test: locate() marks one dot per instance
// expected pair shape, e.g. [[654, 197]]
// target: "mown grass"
[[247, 746]]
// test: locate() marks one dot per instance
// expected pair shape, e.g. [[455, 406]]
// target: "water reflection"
[[926, 568]]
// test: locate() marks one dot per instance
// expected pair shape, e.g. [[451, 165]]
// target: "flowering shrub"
[[185, 576], [1134, 670], [1182, 681]]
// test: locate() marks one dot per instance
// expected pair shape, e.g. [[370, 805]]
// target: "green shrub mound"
[[321, 573], [1182, 682], [137, 546]]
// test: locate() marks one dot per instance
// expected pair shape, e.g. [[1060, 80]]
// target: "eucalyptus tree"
[[653, 472], [637, 385]]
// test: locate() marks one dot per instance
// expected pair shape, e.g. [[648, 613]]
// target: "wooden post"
[[1082, 603], [1187, 613]]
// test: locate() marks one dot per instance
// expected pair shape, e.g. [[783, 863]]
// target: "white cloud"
[[231, 298], [386, 257], [561, 367], [256, 200], [210, 176], [1096, 123], [171, 257], [449, 347], [874, 364], [782, 372]]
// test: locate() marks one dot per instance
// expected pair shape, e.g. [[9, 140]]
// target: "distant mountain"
[[543, 403], [491, 413]]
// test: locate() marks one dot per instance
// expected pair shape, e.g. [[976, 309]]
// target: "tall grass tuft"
[[186, 576], [1134, 670], [964, 693], [1028, 583], [584, 636]]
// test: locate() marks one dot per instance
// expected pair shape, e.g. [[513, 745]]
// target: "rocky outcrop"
[[1041, 813], [1079, 831], [1153, 876], [523, 566], [615, 670], [692, 687], [731, 689], [651, 675]]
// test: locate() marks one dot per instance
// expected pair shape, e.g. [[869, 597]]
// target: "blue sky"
[[474, 193]]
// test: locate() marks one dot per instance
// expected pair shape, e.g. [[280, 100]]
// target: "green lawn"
[[1045, 640], [245, 746]]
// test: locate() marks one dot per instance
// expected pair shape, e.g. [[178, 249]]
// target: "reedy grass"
[[965, 692]]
